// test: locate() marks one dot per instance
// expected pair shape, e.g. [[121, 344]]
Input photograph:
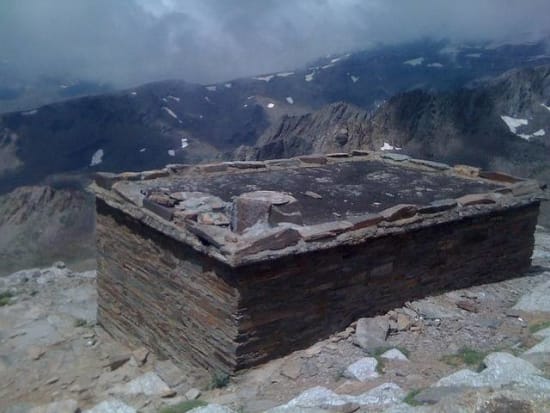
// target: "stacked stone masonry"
[[217, 266]]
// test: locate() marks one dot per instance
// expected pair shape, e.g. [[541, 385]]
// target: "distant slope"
[[40, 224]]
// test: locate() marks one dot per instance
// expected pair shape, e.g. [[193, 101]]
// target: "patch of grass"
[[219, 380], [410, 398], [539, 326], [5, 298], [381, 364], [80, 322], [183, 406], [465, 355]]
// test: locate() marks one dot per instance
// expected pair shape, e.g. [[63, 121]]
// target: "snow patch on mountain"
[[435, 64], [30, 112], [211, 88], [388, 147], [171, 152], [544, 106], [97, 157], [414, 62], [271, 105], [285, 74], [473, 55], [184, 143], [143, 149], [514, 123], [228, 85], [170, 112], [290, 100], [354, 79], [309, 76], [174, 98], [266, 78]]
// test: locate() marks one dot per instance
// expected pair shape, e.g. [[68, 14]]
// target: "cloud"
[[133, 41]]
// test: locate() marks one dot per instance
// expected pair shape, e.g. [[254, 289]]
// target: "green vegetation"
[[466, 356], [410, 398], [539, 326], [183, 406], [219, 380], [5, 298]]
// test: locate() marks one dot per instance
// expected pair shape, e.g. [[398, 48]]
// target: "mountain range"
[[487, 106]]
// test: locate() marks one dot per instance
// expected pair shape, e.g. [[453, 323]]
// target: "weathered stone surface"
[[148, 384], [365, 221], [268, 239], [502, 369], [475, 199], [213, 218], [363, 369], [193, 394], [400, 211], [161, 211], [327, 400], [337, 155], [140, 355], [498, 176], [157, 173], [371, 333], [322, 231], [289, 213], [535, 301], [111, 406], [253, 207], [105, 179], [467, 170], [313, 195], [63, 406], [129, 192], [169, 372], [359, 152], [437, 206], [397, 157], [246, 164], [394, 354], [318, 159], [431, 164], [118, 360], [215, 167], [212, 408]]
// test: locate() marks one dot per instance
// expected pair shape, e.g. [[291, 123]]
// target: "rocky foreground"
[[482, 349]]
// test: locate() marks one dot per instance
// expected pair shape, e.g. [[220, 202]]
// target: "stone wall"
[[159, 292]]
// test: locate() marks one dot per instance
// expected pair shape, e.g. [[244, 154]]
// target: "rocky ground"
[[486, 349]]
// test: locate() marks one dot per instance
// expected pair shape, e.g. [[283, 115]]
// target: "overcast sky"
[[133, 41]]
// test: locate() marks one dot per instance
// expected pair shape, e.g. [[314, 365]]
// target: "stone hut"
[[225, 266]]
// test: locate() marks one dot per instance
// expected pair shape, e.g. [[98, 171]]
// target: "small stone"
[[399, 211], [371, 333], [118, 360], [394, 354], [35, 353], [363, 369], [467, 306], [403, 322], [213, 218], [312, 194], [193, 394], [140, 355], [60, 264], [52, 380], [291, 369]]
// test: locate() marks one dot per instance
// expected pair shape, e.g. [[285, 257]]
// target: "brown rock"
[[318, 159], [475, 199], [399, 211], [162, 199], [276, 239], [403, 322], [364, 221], [468, 306], [118, 360], [321, 231], [253, 207], [467, 170], [213, 218], [157, 173], [35, 353]]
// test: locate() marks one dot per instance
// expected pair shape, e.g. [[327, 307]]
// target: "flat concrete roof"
[[241, 212]]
